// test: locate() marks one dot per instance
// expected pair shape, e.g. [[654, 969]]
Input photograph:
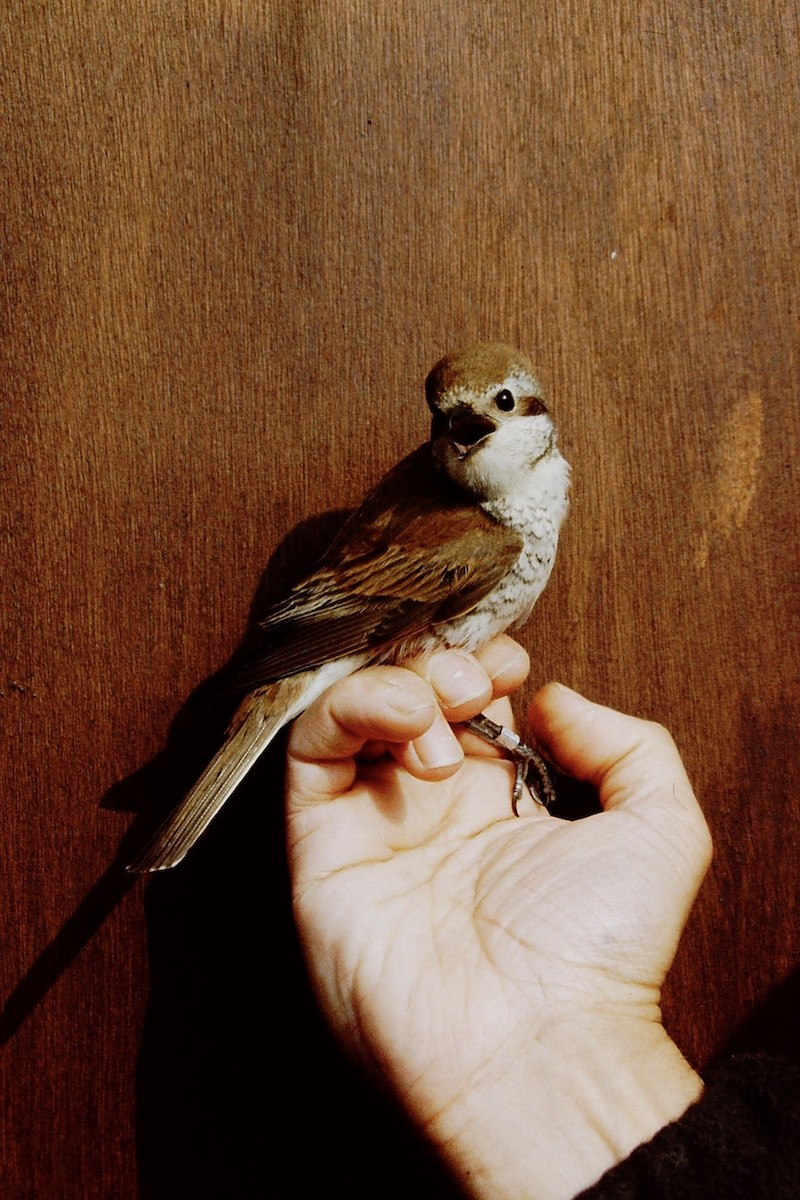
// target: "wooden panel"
[[234, 238]]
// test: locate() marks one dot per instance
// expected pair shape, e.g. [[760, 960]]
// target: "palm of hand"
[[449, 924]]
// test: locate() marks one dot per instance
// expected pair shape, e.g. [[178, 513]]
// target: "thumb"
[[633, 763]]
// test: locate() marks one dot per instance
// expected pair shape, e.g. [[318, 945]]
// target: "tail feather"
[[257, 721]]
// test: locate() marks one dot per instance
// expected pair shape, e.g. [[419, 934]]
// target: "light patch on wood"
[[736, 476]]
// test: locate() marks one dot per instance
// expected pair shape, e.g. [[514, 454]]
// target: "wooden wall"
[[234, 237]]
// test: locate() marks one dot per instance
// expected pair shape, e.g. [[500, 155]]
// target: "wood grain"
[[234, 238]]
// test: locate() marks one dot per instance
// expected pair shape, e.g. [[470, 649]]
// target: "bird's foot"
[[531, 769]]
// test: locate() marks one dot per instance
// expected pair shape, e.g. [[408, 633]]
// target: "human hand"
[[501, 974]]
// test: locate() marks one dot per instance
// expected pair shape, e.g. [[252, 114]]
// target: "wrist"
[[548, 1118]]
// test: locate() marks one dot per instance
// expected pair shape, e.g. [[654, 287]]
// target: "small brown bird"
[[453, 546]]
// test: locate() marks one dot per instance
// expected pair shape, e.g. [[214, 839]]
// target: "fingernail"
[[497, 666], [456, 678], [405, 701], [438, 746]]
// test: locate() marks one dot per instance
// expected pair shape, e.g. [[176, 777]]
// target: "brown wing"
[[415, 552]]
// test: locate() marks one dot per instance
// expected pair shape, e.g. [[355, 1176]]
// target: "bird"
[[453, 546]]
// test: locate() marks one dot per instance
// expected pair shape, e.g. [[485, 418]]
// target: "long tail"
[[256, 722]]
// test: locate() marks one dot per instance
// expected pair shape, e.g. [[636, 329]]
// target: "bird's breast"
[[537, 517]]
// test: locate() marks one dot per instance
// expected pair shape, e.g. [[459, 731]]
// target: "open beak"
[[465, 430]]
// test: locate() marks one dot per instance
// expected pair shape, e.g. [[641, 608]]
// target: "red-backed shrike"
[[453, 546]]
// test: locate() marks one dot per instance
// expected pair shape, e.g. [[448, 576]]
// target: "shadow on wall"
[[774, 1027], [239, 1083], [153, 790]]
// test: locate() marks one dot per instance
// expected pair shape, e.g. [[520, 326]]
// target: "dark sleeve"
[[741, 1139]]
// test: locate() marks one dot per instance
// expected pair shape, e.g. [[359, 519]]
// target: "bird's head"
[[490, 424]]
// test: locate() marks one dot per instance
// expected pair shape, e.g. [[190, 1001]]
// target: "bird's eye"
[[505, 400]]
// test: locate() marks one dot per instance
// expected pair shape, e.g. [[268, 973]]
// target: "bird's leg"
[[531, 768]]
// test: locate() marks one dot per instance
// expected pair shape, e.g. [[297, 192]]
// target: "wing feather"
[[415, 552]]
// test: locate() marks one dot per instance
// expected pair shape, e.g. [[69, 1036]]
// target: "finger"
[[630, 761], [436, 754], [466, 683], [619, 754], [381, 704], [461, 685], [506, 663]]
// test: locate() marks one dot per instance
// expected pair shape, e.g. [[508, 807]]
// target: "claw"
[[531, 769]]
